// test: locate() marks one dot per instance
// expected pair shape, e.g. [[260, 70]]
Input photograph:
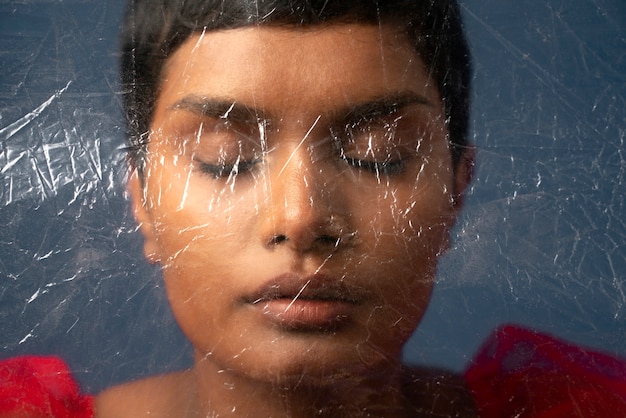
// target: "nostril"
[[329, 240], [277, 239]]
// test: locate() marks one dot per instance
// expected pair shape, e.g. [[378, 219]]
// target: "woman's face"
[[298, 191]]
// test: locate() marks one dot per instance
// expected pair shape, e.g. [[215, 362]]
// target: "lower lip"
[[305, 314]]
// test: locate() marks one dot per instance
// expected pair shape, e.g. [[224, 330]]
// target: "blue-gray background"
[[542, 241]]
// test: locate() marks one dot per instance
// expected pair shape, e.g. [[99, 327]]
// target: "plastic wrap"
[[540, 240]]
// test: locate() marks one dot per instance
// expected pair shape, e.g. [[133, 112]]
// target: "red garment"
[[518, 373], [33, 386], [521, 373]]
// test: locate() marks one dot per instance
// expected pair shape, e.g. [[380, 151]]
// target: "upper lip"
[[306, 287]]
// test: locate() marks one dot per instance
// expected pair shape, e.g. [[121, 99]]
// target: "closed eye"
[[225, 170], [389, 168]]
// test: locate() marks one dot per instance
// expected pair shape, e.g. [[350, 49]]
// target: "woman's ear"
[[464, 172], [142, 216]]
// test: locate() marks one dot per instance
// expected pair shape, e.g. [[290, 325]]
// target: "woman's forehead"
[[290, 68]]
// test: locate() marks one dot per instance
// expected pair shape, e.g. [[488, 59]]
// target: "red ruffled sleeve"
[[41, 387], [522, 373]]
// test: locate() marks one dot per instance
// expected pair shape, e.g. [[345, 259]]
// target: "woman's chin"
[[309, 363]]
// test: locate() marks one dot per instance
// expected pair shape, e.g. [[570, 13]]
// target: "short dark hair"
[[153, 29]]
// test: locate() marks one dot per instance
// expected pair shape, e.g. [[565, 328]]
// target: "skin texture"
[[295, 160]]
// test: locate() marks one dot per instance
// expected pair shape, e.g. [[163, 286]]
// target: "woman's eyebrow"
[[383, 106], [231, 110], [218, 108]]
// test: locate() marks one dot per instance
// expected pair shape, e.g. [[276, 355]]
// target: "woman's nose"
[[304, 211]]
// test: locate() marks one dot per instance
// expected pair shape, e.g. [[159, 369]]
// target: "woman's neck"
[[227, 393], [207, 391]]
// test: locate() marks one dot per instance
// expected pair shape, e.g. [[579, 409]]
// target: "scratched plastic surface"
[[541, 241]]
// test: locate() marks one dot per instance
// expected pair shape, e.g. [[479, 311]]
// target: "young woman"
[[297, 184], [296, 170]]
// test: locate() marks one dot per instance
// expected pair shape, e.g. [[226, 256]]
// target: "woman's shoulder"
[[525, 373], [33, 386], [165, 395]]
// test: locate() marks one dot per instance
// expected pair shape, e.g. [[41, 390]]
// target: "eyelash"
[[387, 168], [218, 171]]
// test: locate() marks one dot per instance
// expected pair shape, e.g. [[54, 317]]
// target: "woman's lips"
[[306, 314], [313, 303]]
